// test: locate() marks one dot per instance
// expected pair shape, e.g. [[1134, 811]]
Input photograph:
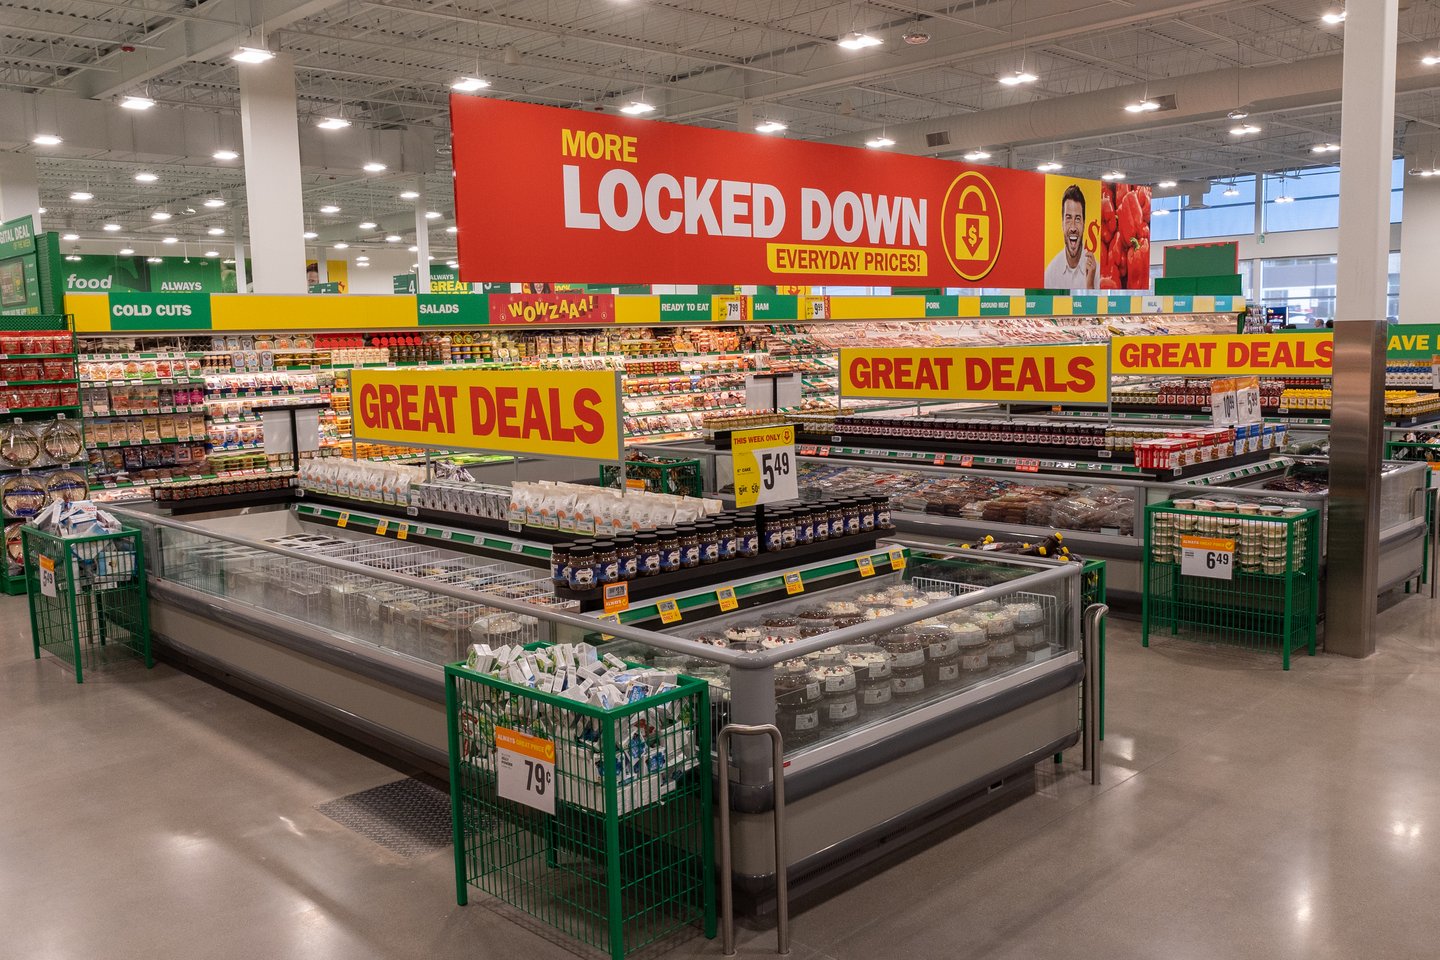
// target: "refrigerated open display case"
[[980, 655]]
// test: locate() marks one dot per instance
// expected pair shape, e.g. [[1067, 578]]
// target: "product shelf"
[[37, 356], [143, 381], [7, 411], [99, 445]]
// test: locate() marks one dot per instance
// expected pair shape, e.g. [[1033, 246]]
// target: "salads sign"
[[1072, 373], [635, 201], [571, 413]]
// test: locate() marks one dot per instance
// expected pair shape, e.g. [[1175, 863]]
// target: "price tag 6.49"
[[1212, 557], [525, 769]]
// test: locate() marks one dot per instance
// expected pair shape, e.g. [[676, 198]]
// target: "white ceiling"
[[389, 64]]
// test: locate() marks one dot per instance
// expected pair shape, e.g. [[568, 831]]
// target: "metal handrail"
[[1090, 755], [782, 883], [742, 660]]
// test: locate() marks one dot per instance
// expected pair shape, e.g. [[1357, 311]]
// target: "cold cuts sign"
[[1049, 374], [620, 200], [1260, 354], [572, 413]]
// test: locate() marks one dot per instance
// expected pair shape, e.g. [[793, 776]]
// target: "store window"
[[1397, 189], [1303, 200], [1164, 219], [1305, 285], [1222, 215]]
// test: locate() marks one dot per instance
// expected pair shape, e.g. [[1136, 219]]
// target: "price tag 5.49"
[[764, 465], [47, 576], [525, 769], [1212, 557]]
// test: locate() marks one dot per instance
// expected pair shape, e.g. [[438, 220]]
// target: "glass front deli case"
[[913, 684]]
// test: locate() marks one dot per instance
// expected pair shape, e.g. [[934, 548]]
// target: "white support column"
[[422, 239], [242, 277], [270, 131], [1420, 233], [1367, 132], [19, 187]]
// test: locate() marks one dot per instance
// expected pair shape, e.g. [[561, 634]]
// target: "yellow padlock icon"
[[972, 230]]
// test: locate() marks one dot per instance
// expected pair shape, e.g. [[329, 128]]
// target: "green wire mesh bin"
[[88, 604], [626, 859], [1247, 580]]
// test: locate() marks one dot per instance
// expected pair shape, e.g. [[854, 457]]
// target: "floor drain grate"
[[405, 816]]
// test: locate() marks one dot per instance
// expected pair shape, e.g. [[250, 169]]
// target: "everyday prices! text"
[[633, 201]]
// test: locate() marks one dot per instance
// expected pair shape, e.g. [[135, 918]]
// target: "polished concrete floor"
[[1244, 813]]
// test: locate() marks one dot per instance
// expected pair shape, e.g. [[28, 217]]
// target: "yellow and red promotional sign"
[[571, 413], [621, 200], [1073, 373], [1271, 354]]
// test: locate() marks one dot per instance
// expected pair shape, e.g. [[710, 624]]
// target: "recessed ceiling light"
[[469, 84], [452, 229], [1017, 78], [82, 195], [225, 155], [374, 166], [432, 214], [1231, 191], [1160, 212], [1244, 129], [636, 107], [856, 40], [362, 258], [329, 208], [362, 263], [110, 227], [73, 257], [310, 234], [974, 155], [228, 260], [409, 195], [413, 249], [342, 246], [332, 123], [1332, 18], [137, 103], [126, 252], [42, 210], [70, 236], [154, 259], [1325, 148], [1142, 106], [171, 240], [46, 140], [1113, 175], [252, 55], [1165, 184], [160, 215], [368, 225], [452, 265], [212, 253], [1050, 166], [879, 142], [393, 238], [145, 178], [216, 231], [214, 202], [770, 126]]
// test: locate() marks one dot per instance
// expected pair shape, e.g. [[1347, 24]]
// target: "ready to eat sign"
[[620, 200], [1051, 374], [571, 413]]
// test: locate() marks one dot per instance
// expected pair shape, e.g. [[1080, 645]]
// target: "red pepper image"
[[1138, 269]]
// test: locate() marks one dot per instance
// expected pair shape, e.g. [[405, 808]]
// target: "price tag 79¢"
[[525, 769]]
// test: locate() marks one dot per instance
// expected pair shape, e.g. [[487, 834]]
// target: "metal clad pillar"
[[237, 230], [274, 202], [1367, 132]]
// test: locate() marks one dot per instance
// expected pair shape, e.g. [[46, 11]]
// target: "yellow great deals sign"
[[571, 413], [1042, 374], [1251, 354]]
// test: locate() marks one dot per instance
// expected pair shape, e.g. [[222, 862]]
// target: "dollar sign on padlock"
[[972, 225]]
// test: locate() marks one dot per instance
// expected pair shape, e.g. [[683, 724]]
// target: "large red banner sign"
[[542, 191]]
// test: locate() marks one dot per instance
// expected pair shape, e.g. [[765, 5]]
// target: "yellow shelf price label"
[[726, 596], [669, 611], [382, 528], [764, 465], [867, 569], [342, 520], [402, 531], [793, 583], [897, 558]]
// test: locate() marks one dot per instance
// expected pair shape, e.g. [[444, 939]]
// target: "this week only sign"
[[552, 413]]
